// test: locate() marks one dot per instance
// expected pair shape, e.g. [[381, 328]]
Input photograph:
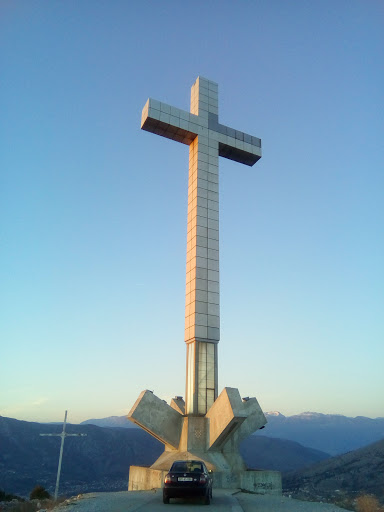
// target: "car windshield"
[[187, 467]]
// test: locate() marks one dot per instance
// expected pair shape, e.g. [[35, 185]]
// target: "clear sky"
[[93, 210]]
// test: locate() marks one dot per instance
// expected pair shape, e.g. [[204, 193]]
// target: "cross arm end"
[[166, 121], [239, 155]]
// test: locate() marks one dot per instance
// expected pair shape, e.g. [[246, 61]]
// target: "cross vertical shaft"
[[63, 435], [202, 311]]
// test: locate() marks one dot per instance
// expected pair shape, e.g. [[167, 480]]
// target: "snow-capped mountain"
[[331, 433]]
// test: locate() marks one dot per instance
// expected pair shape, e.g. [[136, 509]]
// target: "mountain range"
[[100, 461], [330, 433]]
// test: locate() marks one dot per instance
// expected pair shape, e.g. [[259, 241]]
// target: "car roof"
[[191, 461], [188, 466]]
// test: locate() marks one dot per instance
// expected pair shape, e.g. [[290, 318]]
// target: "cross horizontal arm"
[[234, 144], [181, 126], [63, 434], [172, 122]]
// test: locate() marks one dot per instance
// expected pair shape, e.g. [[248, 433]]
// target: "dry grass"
[[25, 506], [368, 504], [31, 506]]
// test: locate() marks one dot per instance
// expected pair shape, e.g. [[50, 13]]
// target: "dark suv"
[[188, 478]]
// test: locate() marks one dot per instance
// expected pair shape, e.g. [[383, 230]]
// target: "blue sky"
[[93, 210]]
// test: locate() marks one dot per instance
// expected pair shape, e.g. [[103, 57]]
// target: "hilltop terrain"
[[98, 462], [354, 473]]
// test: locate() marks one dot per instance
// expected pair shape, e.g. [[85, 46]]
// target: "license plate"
[[185, 479]]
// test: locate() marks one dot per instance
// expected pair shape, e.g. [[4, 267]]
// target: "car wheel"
[[165, 499], [207, 500]]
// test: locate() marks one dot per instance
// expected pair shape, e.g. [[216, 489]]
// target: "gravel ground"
[[223, 501]]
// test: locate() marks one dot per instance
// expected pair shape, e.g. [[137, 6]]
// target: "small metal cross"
[[63, 435]]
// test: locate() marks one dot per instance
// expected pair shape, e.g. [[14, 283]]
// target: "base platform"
[[259, 482], [213, 438]]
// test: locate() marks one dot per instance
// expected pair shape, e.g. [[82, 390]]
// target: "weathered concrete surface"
[[213, 460], [255, 420], [141, 478], [158, 418], [213, 438], [261, 482], [225, 416], [178, 404]]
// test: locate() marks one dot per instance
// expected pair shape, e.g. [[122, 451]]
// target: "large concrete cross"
[[207, 427], [207, 139]]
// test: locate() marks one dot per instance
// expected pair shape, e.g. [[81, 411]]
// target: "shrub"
[[9, 497], [368, 503], [39, 493]]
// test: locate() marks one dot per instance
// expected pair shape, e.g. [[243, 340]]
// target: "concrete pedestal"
[[259, 482], [213, 438]]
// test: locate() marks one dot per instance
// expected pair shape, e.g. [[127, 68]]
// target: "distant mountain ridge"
[[330, 433], [111, 421], [278, 454], [100, 461]]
